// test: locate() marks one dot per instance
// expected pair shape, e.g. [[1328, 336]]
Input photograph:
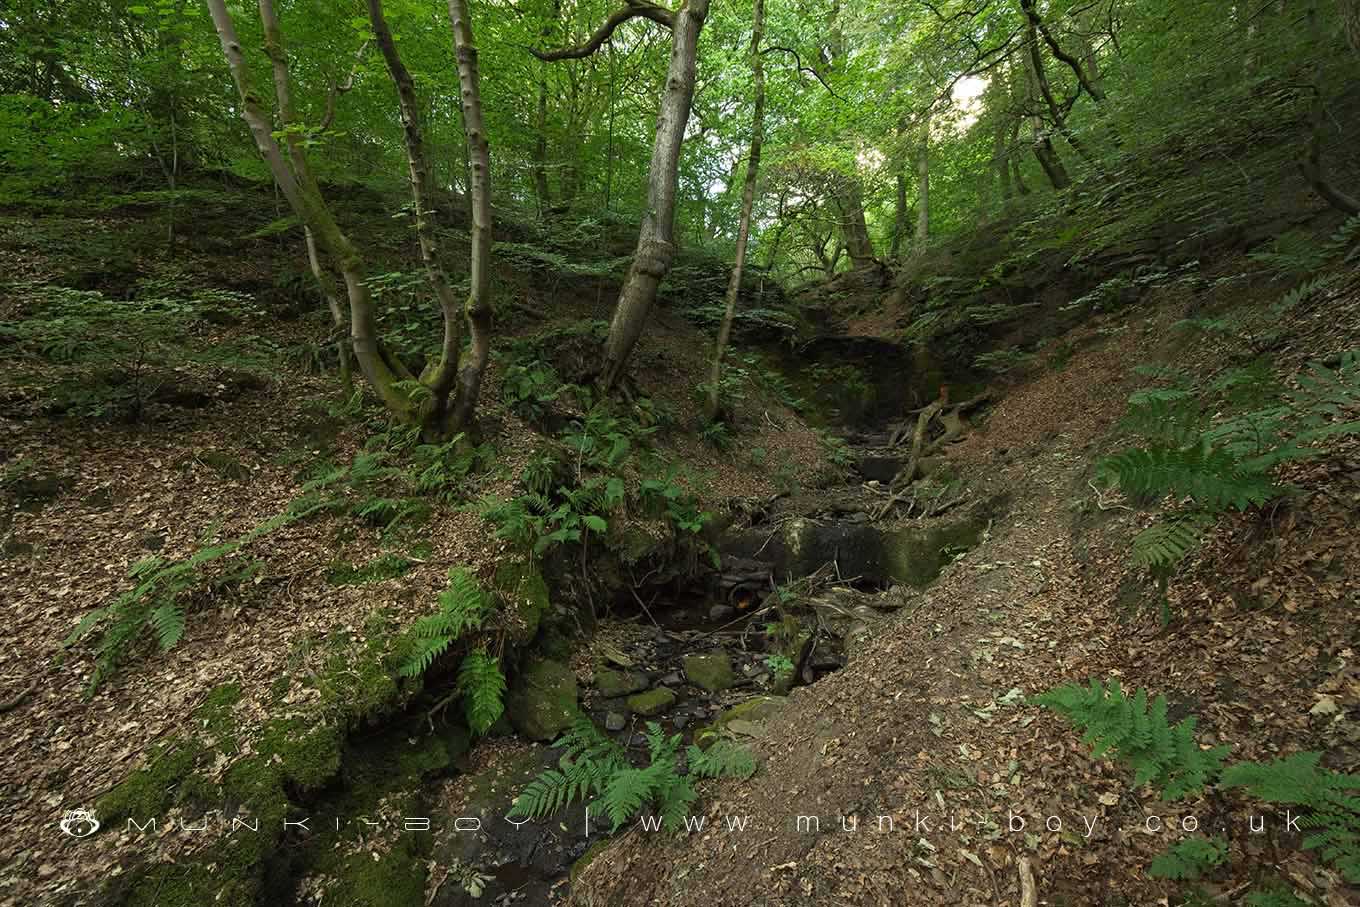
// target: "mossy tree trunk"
[[294, 178], [478, 305], [656, 238], [440, 377]]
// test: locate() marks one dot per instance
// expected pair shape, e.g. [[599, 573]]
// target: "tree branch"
[[635, 9]]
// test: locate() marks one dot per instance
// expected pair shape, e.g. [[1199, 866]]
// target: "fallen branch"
[[1029, 895]]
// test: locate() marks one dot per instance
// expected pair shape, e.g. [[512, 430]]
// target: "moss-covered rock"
[[712, 672], [613, 684], [652, 702], [756, 710], [916, 556], [524, 596], [542, 701]]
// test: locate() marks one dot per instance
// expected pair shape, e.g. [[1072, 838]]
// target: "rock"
[[916, 555], [711, 672], [653, 702], [721, 612], [153, 541], [619, 683], [614, 721], [753, 713], [671, 680], [524, 597], [681, 721], [543, 700]]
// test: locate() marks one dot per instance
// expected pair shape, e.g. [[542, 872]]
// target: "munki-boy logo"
[[79, 823]]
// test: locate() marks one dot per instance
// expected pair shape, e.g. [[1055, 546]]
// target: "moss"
[[383, 567], [543, 699], [652, 702], [396, 879], [524, 596], [149, 792], [916, 556], [307, 757], [585, 859]]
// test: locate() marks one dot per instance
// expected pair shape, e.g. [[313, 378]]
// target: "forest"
[[693, 452]]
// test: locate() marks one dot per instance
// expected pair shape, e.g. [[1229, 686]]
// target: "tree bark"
[[332, 296], [1091, 85], [1044, 151], [656, 245], [748, 197], [854, 229], [899, 216], [478, 306], [300, 189], [439, 377], [1039, 77]]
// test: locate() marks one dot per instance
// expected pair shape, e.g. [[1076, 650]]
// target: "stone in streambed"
[[612, 684], [543, 701], [710, 672], [652, 702]]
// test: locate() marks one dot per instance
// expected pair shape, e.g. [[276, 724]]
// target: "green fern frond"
[[1189, 859], [723, 759], [424, 652], [1274, 897], [1138, 733], [1212, 477], [482, 686], [167, 619], [1162, 546]]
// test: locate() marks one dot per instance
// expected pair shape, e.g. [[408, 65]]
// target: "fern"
[[482, 686], [1274, 897], [594, 764], [168, 621], [1162, 546], [723, 759], [463, 605], [1138, 734], [1189, 859], [1212, 477], [1329, 797]]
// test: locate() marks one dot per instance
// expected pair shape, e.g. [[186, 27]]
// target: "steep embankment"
[[931, 781]]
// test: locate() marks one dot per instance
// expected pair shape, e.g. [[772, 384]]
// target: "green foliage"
[[463, 606], [157, 605], [1138, 734], [779, 665], [1331, 801], [1224, 462], [1006, 360], [482, 686], [1190, 859], [530, 390], [594, 765]]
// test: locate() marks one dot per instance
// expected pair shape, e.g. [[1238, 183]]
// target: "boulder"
[[613, 684], [711, 672], [749, 716], [524, 599], [542, 702], [652, 702]]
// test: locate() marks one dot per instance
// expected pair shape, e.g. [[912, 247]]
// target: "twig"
[[1029, 896]]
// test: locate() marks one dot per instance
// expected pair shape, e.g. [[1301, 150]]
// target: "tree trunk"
[[854, 229], [655, 247], [438, 377], [332, 296], [1039, 79], [923, 185], [899, 217], [748, 197], [1044, 151], [300, 189], [479, 153]]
